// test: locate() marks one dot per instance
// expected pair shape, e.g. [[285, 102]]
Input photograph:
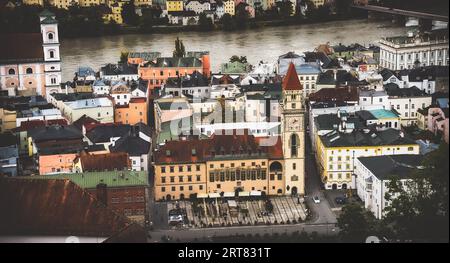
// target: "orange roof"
[[104, 162], [138, 100], [54, 207], [290, 81]]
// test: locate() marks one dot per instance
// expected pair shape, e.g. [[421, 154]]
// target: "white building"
[[49, 31], [374, 97], [373, 178], [100, 109], [422, 78], [124, 72], [198, 6], [404, 52], [407, 101], [99, 87], [120, 92], [224, 90], [307, 74], [44, 114]]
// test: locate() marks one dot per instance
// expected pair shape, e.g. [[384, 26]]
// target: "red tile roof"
[[54, 207], [28, 125], [217, 147], [104, 162], [290, 81], [83, 120], [21, 47], [90, 126]]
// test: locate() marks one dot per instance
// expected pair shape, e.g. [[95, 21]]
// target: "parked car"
[[340, 200], [316, 199]]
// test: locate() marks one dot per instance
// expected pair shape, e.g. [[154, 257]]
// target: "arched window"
[[52, 54], [294, 144], [11, 71], [50, 36], [29, 71]]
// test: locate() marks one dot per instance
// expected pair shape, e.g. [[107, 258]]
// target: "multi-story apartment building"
[[174, 5], [229, 7], [405, 52], [159, 71], [132, 113], [337, 153], [407, 102], [373, 175], [198, 6]]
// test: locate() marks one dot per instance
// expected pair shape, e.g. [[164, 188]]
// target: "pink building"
[[438, 122], [56, 163], [30, 63]]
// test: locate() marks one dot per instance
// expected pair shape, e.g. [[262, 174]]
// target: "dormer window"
[[168, 153], [194, 152]]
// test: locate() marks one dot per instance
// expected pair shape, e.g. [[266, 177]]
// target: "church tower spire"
[[293, 133]]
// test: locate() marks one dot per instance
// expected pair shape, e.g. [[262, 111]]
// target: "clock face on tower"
[[293, 124]]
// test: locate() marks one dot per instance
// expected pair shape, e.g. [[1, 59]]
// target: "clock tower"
[[293, 133]]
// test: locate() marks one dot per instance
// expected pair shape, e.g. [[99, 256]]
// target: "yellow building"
[[174, 5], [422, 119], [337, 152], [87, 3], [63, 3], [222, 164], [143, 2], [7, 120], [33, 2], [229, 7], [116, 12], [318, 3]]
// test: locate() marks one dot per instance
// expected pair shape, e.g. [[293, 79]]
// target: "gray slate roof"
[[389, 166]]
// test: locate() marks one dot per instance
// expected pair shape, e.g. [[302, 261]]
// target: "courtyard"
[[235, 211]]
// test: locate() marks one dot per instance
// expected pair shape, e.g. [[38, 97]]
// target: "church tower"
[[52, 58], [293, 133]]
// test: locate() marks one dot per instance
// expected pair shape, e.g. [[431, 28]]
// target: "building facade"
[[404, 52]]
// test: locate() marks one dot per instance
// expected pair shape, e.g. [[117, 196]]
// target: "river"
[[257, 44]]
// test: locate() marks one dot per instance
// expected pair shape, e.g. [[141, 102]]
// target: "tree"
[[146, 21], [129, 15], [356, 223], [343, 6], [241, 16], [179, 51], [124, 56], [227, 22], [285, 8], [418, 210], [241, 59], [205, 23]]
